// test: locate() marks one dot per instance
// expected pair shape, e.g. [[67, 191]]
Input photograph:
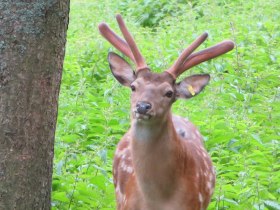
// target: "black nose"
[[143, 107]]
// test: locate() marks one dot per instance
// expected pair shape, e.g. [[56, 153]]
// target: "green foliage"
[[149, 13], [238, 113]]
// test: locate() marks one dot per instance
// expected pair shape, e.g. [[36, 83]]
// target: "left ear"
[[192, 85]]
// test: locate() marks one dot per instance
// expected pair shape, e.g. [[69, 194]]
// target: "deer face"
[[153, 94]]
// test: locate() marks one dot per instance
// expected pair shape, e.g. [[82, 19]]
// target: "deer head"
[[153, 94]]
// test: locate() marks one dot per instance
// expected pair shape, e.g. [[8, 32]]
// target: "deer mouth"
[[140, 116]]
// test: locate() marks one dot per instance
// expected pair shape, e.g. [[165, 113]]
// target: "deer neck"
[[154, 149], [146, 133]]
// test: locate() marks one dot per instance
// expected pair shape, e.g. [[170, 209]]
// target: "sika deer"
[[160, 163]]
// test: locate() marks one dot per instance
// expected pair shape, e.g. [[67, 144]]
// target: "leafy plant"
[[149, 13]]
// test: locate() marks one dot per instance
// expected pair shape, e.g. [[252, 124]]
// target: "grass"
[[238, 113]]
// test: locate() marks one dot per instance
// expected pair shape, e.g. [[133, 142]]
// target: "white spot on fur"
[[206, 165], [124, 200], [209, 185], [118, 189], [121, 153], [129, 169], [200, 197], [199, 151], [202, 148], [211, 177], [211, 191], [123, 166], [126, 168], [193, 136], [213, 170]]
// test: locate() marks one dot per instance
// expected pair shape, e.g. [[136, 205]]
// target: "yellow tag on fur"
[[191, 90]]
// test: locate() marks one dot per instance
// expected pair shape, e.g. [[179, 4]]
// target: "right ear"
[[121, 70]]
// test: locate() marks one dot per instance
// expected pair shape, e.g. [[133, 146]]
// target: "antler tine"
[[173, 70], [206, 54], [139, 59], [115, 40]]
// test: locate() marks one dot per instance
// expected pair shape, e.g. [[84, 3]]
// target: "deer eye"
[[169, 94], [132, 87]]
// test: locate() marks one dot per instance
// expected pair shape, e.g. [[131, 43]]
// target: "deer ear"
[[121, 70], [192, 85]]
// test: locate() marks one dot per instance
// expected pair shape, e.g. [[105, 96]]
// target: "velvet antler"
[[127, 46], [185, 61], [188, 60]]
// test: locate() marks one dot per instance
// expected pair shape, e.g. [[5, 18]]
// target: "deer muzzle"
[[143, 107]]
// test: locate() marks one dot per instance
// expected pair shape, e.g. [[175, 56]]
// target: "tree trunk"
[[32, 41]]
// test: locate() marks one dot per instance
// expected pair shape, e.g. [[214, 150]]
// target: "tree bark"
[[32, 42]]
